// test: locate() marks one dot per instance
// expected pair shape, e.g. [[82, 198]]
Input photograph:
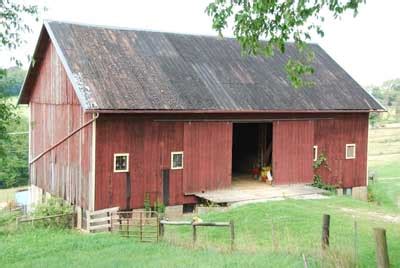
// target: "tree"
[[13, 25], [265, 26]]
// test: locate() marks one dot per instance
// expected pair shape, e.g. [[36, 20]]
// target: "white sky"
[[368, 46]]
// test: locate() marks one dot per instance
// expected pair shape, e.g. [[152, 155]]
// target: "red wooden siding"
[[292, 151], [149, 145], [208, 156], [331, 137], [55, 112]]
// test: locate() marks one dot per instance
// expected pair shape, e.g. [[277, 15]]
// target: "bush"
[[320, 184], [52, 207]]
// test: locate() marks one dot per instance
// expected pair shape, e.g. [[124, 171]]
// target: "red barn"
[[120, 114]]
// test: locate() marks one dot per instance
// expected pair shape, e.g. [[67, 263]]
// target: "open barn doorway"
[[251, 152]]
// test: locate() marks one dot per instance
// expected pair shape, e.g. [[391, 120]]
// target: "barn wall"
[[55, 112], [293, 142], [292, 151], [149, 144], [331, 137]]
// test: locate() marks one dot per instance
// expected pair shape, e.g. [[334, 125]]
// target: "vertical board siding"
[[207, 154], [331, 137], [55, 112], [292, 151], [149, 145]]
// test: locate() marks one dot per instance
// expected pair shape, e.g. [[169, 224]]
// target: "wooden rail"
[[194, 225], [32, 220], [100, 220]]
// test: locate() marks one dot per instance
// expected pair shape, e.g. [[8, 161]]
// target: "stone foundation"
[[360, 193]]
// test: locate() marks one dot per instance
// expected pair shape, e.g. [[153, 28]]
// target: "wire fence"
[[351, 240]]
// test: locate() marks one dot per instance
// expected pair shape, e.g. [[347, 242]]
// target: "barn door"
[[292, 151]]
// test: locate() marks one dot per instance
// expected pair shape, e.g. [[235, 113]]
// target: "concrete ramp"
[[250, 190]]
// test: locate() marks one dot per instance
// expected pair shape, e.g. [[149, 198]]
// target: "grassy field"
[[384, 162], [256, 244]]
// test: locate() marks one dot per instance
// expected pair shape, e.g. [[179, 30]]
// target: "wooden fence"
[[141, 225], [194, 225], [100, 220], [65, 220]]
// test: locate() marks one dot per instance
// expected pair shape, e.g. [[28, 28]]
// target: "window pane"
[[120, 162], [177, 160]]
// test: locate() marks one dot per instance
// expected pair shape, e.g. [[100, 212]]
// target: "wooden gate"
[[293, 151], [140, 225]]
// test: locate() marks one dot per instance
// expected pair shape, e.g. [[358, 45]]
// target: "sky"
[[367, 47]]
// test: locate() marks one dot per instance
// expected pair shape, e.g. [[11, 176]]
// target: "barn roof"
[[124, 69]]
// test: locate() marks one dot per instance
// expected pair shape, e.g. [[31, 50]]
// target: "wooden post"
[[382, 257], [161, 229], [232, 234], [325, 231], [194, 234]]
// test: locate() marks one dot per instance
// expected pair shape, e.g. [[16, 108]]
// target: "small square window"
[[121, 162], [350, 151], [177, 160], [315, 152]]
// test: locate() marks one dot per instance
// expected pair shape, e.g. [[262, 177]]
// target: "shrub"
[[52, 207]]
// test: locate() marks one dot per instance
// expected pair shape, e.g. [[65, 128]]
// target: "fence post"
[[161, 230], [325, 231], [194, 234], [382, 257], [232, 234]]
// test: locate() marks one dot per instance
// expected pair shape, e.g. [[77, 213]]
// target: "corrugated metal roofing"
[[120, 69]]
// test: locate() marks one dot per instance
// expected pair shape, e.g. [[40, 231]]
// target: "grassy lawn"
[[258, 244]]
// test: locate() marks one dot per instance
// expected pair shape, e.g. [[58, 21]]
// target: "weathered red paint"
[[55, 112], [208, 156], [292, 151], [206, 148], [331, 137]]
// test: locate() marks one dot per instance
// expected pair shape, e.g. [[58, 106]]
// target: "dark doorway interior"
[[251, 148]]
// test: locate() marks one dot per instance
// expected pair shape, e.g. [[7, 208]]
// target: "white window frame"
[[172, 160], [315, 149], [115, 162], [355, 150]]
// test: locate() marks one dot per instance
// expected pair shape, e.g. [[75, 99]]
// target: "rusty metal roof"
[[124, 69]]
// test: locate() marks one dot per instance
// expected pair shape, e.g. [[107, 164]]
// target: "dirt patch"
[[392, 218]]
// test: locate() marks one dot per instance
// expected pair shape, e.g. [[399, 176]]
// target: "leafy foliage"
[[146, 202], [277, 22], [388, 94], [53, 206], [14, 148], [10, 84], [13, 24], [322, 162]]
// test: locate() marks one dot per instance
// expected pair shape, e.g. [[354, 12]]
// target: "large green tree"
[[15, 22], [265, 26]]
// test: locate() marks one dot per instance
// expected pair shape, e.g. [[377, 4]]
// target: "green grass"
[[41, 248], [294, 235], [385, 165]]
